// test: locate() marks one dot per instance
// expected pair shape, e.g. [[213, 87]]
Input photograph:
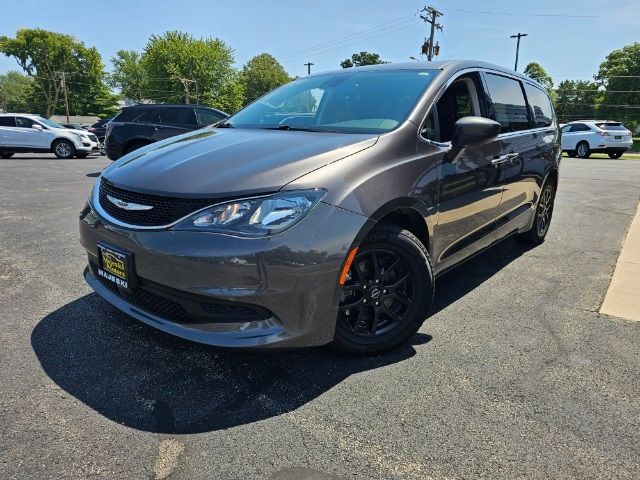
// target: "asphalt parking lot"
[[516, 375]]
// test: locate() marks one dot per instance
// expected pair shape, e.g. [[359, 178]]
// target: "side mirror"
[[37, 127], [473, 131]]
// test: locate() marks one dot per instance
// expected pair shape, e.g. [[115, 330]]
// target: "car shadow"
[[151, 381], [459, 281]]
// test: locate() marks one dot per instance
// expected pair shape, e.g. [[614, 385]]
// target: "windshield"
[[345, 102], [49, 123]]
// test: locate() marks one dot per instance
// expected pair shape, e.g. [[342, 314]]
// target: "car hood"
[[216, 162]]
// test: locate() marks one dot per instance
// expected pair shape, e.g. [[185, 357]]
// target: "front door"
[[469, 185]]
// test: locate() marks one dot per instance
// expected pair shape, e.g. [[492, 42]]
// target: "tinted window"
[[611, 126], [128, 115], [541, 106], [179, 116], [208, 117], [24, 122], [566, 128], [351, 101], [7, 122], [509, 106], [579, 127], [148, 115], [429, 128]]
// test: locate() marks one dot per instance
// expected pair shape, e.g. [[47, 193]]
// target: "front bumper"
[[293, 276]]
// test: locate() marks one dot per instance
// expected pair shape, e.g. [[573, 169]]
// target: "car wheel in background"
[[387, 292], [133, 146], [582, 150], [544, 210], [64, 149], [82, 154], [6, 155], [615, 154]]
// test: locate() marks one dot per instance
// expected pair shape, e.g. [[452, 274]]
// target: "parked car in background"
[[581, 138], [74, 126], [99, 129], [324, 211], [21, 132], [140, 125]]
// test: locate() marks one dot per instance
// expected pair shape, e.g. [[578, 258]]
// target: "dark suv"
[[141, 125], [326, 210]]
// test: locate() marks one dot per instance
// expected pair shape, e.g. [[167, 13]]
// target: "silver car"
[[325, 211]]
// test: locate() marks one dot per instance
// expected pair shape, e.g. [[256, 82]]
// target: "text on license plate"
[[114, 266]]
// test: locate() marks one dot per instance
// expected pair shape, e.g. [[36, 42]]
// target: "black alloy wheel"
[[387, 292], [542, 219], [615, 154]]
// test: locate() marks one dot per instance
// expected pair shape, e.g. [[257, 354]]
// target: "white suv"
[[584, 137], [21, 132]]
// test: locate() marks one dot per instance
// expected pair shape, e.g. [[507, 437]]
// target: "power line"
[[514, 14], [366, 31]]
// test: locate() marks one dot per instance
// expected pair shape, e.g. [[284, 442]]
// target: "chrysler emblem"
[[126, 205]]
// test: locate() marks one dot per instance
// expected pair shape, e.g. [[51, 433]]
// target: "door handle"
[[499, 160], [512, 156]]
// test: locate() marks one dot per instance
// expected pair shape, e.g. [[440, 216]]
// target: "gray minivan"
[[325, 211]]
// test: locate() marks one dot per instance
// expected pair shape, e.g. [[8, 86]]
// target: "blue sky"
[[329, 31]]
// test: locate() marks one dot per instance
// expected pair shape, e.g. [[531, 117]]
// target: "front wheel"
[[64, 149], [6, 155], [387, 293], [615, 154]]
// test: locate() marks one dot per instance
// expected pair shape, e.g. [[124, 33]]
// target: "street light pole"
[[518, 36]]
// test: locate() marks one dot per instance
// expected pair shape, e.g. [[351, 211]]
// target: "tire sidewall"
[[588, 151], [72, 149], [415, 256]]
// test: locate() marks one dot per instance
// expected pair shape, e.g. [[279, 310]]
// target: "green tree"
[[44, 55], [360, 59], [576, 99], [129, 75], [175, 61], [535, 71], [16, 92], [260, 75], [619, 74]]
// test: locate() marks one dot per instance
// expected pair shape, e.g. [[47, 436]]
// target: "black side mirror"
[[473, 131]]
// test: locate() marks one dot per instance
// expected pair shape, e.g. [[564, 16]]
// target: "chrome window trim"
[[464, 71]]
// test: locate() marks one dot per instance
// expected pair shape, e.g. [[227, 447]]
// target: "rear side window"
[[7, 122], [207, 117], [178, 116], [541, 106], [148, 115], [611, 126], [509, 106], [24, 122], [128, 115], [579, 127]]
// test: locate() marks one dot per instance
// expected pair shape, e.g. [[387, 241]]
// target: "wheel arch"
[[407, 213]]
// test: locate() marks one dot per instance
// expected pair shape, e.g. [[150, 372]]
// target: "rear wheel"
[[133, 146], [582, 150], [544, 210], [64, 149], [387, 294], [6, 155], [615, 154]]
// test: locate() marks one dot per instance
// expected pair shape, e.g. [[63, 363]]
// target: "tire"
[[134, 146], [542, 219], [64, 149], [82, 154], [380, 311], [571, 153], [615, 154], [582, 150], [6, 155]]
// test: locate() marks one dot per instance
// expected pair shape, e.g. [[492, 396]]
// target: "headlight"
[[255, 217], [82, 137]]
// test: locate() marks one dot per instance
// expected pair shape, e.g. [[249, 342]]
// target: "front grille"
[[165, 210], [160, 306]]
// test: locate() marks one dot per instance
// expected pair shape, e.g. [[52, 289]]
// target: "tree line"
[[175, 67]]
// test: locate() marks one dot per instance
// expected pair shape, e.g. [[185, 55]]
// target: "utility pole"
[[63, 84], [518, 36], [308, 65], [431, 15]]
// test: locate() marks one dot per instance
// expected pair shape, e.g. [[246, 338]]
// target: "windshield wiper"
[[300, 129]]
